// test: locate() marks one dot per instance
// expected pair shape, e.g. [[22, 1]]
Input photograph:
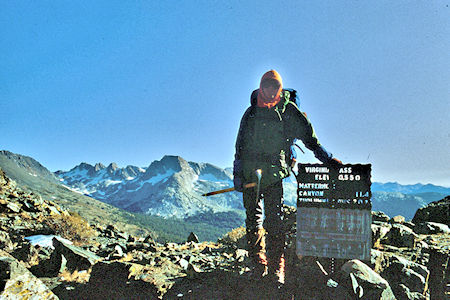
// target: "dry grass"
[[377, 245], [25, 216], [76, 276], [72, 227], [235, 237]]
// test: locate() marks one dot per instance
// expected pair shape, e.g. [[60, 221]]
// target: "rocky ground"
[[96, 261]]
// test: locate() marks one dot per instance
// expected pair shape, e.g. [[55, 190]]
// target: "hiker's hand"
[[337, 161]]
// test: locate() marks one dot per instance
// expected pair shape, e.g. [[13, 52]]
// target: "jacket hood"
[[264, 101]]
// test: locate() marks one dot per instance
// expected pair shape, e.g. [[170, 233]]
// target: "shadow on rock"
[[105, 290], [221, 284]]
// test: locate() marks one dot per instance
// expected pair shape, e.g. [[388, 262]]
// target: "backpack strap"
[[290, 97], [254, 97]]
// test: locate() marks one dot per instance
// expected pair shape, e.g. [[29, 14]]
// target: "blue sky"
[[129, 82]]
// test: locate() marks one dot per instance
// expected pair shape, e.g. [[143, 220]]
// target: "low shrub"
[[72, 227], [235, 237]]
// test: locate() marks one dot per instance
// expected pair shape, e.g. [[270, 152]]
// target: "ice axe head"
[[258, 174]]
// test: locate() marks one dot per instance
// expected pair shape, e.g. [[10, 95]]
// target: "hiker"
[[265, 140]]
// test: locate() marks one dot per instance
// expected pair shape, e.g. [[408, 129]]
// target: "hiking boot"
[[259, 266], [280, 273], [277, 271], [257, 252]]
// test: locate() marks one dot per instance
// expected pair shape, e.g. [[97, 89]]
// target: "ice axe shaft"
[[258, 175], [246, 186]]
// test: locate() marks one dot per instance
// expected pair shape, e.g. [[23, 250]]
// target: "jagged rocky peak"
[[173, 162], [135, 169], [83, 166], [169, 163], [99, 166], [131, 171], [209, 170], [112, 168]]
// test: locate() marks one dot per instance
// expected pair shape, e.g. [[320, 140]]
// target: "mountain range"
[[172, 188], [212, 219], [418, 188]]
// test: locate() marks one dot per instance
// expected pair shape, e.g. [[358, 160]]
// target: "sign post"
[[334, 211]]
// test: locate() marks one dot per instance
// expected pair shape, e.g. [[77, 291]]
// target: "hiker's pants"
[[272, 196]]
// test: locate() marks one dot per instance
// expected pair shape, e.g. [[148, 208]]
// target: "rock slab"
[[16, 282]]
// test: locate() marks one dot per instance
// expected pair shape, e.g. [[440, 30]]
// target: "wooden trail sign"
[[334, 211]]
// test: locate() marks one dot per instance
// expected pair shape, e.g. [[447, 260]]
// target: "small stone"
[[170, 246], [151, 248], [53, 211], [13, 195], [207, 250], [184, 263], [14, 207], [193, 271], [111, 227], [193, 238], [379, 216], [398, 220], [118, 251], [240, 254], [149, 239], [365, 276]]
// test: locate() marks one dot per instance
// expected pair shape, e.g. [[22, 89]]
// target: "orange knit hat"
[[264, 101]]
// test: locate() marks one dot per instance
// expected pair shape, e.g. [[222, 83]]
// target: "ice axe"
[[246, 186]]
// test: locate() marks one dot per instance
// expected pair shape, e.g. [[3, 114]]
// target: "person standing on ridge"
[[264, 154]]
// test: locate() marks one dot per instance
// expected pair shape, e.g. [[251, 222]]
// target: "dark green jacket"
[[266, 135]]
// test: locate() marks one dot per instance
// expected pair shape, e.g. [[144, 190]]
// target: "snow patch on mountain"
[[209, 177], [160, 177], [76, 190], [109, 182]]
